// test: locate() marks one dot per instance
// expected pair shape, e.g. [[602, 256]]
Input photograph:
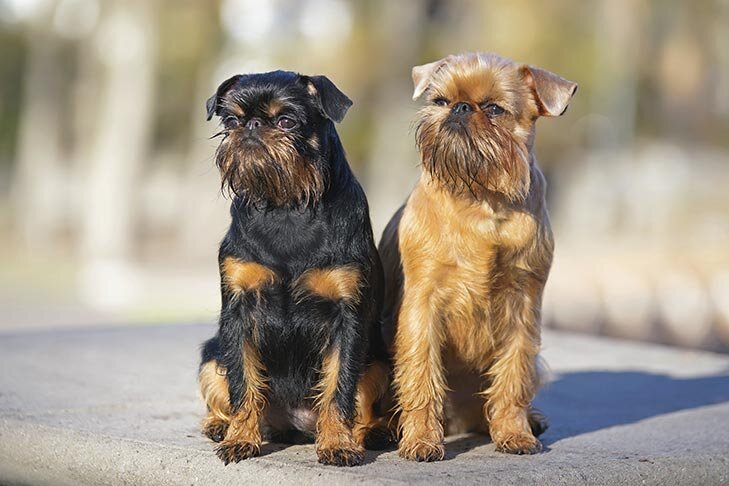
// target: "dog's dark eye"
[[231, 122], [440, 101], [492, 109], [286, 123]]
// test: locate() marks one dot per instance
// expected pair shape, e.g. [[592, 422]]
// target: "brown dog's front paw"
[[422, 452], [341, 456], [237, 451], [519, 444]]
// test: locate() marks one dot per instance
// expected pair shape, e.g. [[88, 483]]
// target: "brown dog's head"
[[278, 136], [477, 131]]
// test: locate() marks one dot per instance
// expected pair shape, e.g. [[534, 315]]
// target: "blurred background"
[[110, 210]]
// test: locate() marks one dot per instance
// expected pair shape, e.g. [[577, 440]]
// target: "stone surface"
[[120, 406]]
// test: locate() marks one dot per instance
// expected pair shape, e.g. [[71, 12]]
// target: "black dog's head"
[[276, 130]]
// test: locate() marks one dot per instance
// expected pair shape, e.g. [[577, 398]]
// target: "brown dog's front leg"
[[513, 374], [419, 380]]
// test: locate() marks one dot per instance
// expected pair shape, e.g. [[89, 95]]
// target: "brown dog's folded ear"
[[421, 77], [553, 93], [212, 103], [332, 102]]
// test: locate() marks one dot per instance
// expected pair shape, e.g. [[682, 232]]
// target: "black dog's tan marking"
[[334, 283], [239, 276], [274, 107], [301, 280]]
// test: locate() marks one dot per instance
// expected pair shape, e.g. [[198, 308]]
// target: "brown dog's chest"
[[464, 255]]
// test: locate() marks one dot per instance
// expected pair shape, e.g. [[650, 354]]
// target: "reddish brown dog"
[[467, 257]]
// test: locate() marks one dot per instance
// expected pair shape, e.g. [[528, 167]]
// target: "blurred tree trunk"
[[125, 53], [618, 29], [393, 158], [36, 180], [205, 220]]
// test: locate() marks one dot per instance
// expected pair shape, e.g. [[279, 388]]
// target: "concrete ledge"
[[120, 407]]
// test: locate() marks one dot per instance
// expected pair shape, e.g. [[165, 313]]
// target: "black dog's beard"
[[274, 174], [472, 163]]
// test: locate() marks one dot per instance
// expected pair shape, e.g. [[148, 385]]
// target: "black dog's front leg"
[[243, 283], [246, 382], [341, 370]]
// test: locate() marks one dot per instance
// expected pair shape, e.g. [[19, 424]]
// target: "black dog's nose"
[[254, 123], [461, 108]]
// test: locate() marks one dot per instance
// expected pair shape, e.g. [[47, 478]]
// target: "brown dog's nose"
[[461, 108], [254, 123]]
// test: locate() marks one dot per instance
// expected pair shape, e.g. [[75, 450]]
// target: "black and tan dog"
[[467, 257], [301, 280]]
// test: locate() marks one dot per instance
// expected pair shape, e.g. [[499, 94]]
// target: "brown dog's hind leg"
[[537, 421]]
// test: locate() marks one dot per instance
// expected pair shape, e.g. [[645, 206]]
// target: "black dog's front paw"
[[341, 456], [229, 451], [379, 437]]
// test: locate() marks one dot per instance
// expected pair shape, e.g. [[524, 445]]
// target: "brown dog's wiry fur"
[[466, 259]]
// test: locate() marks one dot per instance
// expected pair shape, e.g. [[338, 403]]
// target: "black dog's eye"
[[492, 109], [286, 123], [231, 122], [440, 101]]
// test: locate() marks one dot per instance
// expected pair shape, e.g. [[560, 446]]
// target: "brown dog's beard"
[[473, 158], [271, 171]]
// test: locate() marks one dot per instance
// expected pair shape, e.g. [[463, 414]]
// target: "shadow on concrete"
[[582, 402]]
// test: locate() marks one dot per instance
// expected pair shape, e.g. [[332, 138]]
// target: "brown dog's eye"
[[286, 123], [492, 109], [231, 122], [440, 101]]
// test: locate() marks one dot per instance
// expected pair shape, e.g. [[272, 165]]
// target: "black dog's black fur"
[[328, 230]]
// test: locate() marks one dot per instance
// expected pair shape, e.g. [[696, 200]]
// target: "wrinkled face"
[[272, 128], [476, 131]]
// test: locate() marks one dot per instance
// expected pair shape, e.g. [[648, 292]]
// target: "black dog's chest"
[[288, 237]]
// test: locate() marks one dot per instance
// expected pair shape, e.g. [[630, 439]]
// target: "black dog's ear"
[[212, 103], [332, 102]]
